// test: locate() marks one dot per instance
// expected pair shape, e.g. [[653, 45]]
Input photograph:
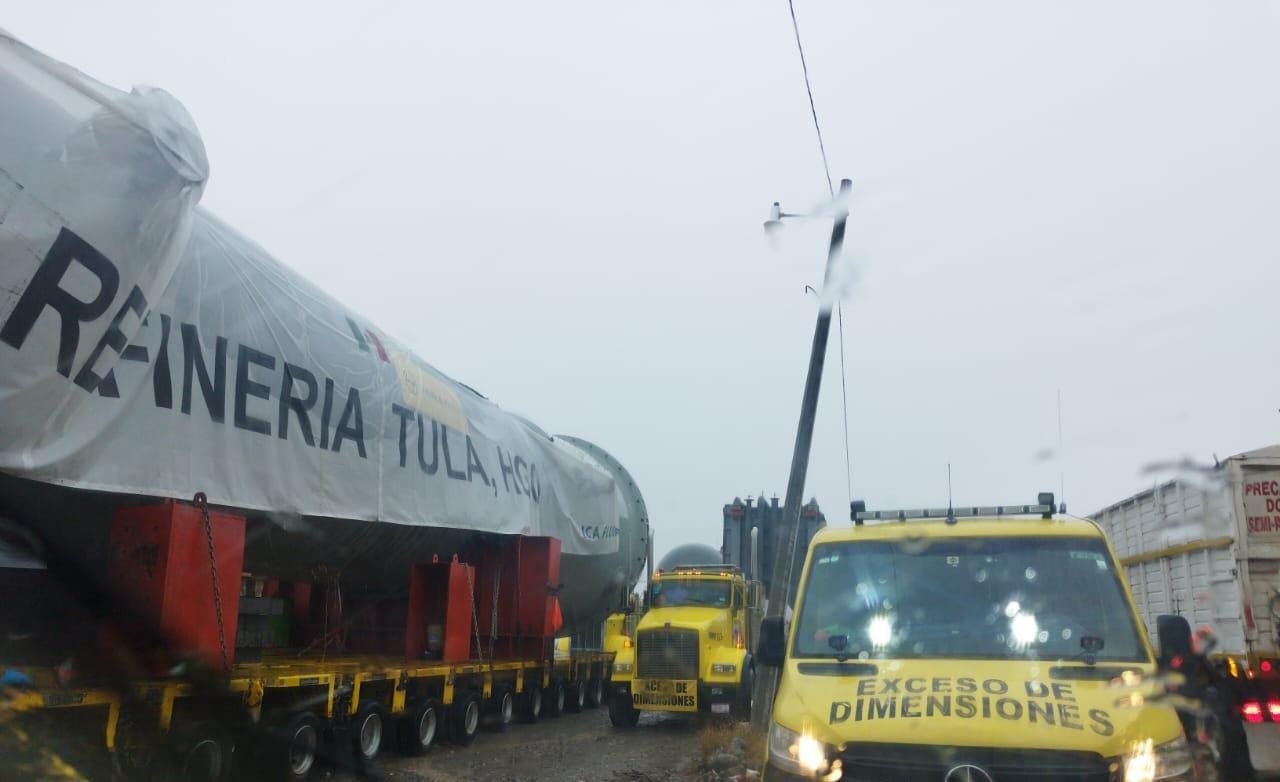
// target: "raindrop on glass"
[[1031, 574]]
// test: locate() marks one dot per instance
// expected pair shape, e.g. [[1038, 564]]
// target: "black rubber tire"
[[504, 709], [531, 702], [1234, 763], [596, 692], [741, 709], [576, 696], [293, 746], [418, 730], [464, 718], [621, 713], [198, 752], [369, 729], [553, 704]]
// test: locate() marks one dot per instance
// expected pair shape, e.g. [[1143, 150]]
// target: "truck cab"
[[691, 649], [968, 644]]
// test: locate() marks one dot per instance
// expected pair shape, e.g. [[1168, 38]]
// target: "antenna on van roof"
[[951, 511], [1062, 483]]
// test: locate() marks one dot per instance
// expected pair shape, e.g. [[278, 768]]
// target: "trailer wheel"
[[367, 731], [554, 703], [621, 713], [577, 696], [595, 693], [198, 752], [293, 746], [418, 730], [464, 722], [531, 703], [504, 707]]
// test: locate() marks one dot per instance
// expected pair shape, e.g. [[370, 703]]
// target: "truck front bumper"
[[712, 698]]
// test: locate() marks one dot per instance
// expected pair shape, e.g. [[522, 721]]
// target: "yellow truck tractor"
[[692, 646], [958, 644]]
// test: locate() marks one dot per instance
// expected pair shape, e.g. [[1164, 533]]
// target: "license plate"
[[719, 708], [665, 694]]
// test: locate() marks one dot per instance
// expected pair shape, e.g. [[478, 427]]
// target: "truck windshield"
[[1003, 598], [690, 592]]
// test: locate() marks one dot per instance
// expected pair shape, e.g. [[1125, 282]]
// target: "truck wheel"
[[367, 732], [746, 694], [595, 693], [464, 721], [577, 696], [505, 708], [531, 703], [621, 713], [293, 746], [553, 704], [417, 732]]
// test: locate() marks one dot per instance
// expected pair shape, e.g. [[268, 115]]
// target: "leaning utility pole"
[[788, 531]]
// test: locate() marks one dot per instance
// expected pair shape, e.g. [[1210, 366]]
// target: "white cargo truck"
[[1206, 547]]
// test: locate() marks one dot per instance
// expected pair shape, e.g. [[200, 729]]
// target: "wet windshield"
[[668, 593], [966, 598]]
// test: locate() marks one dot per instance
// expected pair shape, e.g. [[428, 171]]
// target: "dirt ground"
[[572, 747]]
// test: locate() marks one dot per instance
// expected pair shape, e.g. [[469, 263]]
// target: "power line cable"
[[804, 66]]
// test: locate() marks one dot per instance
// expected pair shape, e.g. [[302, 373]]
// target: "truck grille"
[[667, 654], [916, 763]]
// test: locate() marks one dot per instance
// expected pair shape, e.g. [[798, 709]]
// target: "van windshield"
[[993, 598], [669, 592]]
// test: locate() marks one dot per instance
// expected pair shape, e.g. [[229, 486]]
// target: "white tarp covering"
[[147, 348]]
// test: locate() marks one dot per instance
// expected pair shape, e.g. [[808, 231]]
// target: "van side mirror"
[[772, 649], [1174, 634]]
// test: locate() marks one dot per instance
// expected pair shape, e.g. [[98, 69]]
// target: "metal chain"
[[202, 502], [475, 619], [493, 619]]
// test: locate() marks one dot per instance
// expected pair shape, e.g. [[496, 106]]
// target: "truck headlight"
[[800, 753], [623, 667], [724, 669], [1146, 763]]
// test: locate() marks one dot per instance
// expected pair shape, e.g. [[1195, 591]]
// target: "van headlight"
[[799, 753], [1147, 762]]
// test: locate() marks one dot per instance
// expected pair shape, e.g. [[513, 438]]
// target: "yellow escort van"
[[993, 644]]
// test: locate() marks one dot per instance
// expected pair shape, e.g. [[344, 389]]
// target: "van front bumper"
[[774, 774]]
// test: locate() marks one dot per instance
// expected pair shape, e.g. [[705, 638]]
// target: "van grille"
[[916, 763], [667, 654]]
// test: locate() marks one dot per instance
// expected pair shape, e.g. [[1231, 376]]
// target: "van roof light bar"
[[717, 569], [1044, 508]]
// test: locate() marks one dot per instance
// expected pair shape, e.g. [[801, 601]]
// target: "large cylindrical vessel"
[[148, 350]]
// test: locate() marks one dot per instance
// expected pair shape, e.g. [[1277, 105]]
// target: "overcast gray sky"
[[560, 204]]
